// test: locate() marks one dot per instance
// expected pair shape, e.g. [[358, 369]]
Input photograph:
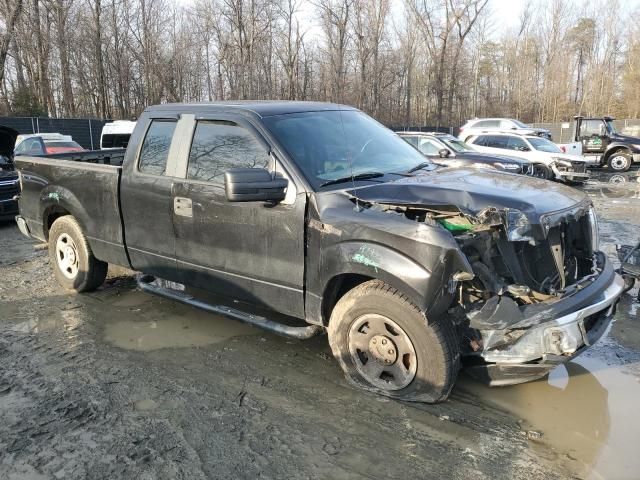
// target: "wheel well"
[[615, 150], [337, 287], [51, 215]]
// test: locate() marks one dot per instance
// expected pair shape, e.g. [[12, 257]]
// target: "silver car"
[[508, 125]]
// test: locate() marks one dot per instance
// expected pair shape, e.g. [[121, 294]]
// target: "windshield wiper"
[[420, 166], [359, 176]]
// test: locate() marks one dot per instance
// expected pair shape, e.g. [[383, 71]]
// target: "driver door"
[[250, 251], [593, 136]]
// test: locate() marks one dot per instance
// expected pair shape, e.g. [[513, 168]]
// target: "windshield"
[[544, 145], [456, 144], [330, 145], [520, 124]]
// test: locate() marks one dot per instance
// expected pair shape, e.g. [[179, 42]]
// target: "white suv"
[[561, 166], [481, 125]]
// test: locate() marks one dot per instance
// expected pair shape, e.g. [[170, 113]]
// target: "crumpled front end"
[[539, 293], [569, 170]]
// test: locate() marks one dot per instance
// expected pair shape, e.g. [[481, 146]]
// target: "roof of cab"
[[262, 108]]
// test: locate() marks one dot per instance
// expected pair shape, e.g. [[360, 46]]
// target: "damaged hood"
[[473, 190]]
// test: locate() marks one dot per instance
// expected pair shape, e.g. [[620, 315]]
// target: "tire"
[[542, 171], [619, 161], [424, 369], [72, 260]]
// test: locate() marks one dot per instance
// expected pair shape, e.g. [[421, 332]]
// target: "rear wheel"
[[619, 161], [385, 344], [72, 260]]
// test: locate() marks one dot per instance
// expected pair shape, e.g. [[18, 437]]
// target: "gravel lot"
[[122, 384]]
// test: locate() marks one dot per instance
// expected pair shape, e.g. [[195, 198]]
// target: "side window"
[[496, 141], [155, 148], [480, 140], [429, 147], [219, 146], [20, 149], [412, 140], [516, 143], [487, 124], [591, 127], [506, 124]]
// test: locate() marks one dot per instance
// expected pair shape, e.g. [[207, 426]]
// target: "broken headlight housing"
[[561, 164], [518, 226], [593, 226]]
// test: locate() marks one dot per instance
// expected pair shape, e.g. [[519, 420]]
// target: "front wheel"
[[619, 161], [72, 260], [385, 344]]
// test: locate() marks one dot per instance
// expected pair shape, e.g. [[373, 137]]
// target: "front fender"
[[427, 287]]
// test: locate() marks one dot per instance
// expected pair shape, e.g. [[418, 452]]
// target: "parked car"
[[45, 144], [449, 151], [560, 166], [116, 134], [597, 139], [9, 185], [481, 125], [318, 212]]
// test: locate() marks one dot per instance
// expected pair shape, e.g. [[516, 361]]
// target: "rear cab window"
[[220, 145], [155, 148]]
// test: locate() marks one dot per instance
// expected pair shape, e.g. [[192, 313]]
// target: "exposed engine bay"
[[515, 265], [510, 257]]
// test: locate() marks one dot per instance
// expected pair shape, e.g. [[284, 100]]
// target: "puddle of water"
[[175, 327], [586, 410]]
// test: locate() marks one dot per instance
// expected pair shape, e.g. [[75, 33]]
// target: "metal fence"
[[85, 131]]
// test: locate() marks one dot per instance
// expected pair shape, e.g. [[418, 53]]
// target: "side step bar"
[[147, 284]]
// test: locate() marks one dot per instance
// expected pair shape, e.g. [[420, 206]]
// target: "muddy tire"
[[619, 161], [72, 260], [385, 344]]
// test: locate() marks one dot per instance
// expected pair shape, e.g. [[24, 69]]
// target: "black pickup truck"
[[599, 142], [316, 212]]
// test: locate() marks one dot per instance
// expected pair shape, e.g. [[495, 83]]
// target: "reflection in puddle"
[[193, 329], [586, 410]]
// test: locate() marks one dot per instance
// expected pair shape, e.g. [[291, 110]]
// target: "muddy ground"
[[122, 384]]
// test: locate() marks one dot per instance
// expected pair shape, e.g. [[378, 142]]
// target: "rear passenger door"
[[250, 251], [146, 197]]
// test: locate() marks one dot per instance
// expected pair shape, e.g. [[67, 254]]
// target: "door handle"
[[182, 206]]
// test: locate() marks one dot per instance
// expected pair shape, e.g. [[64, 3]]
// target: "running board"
[[146, 283]]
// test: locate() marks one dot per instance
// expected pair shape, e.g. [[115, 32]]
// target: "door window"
[[516, 143], [155, 148], [487, 124], [429, 147], [591, 127], [219, 146], [496, 141]]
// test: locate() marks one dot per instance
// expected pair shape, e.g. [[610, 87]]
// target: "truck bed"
[[85, 185], [104, 157]]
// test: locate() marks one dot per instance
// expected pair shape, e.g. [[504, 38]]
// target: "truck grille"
[[9, 188], [560, 260], [579, 167]]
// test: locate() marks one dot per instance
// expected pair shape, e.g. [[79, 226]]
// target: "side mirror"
[[253, 185], [444, 153]]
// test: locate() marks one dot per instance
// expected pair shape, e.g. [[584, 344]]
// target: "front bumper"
[[568, 176], [574, 324]]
